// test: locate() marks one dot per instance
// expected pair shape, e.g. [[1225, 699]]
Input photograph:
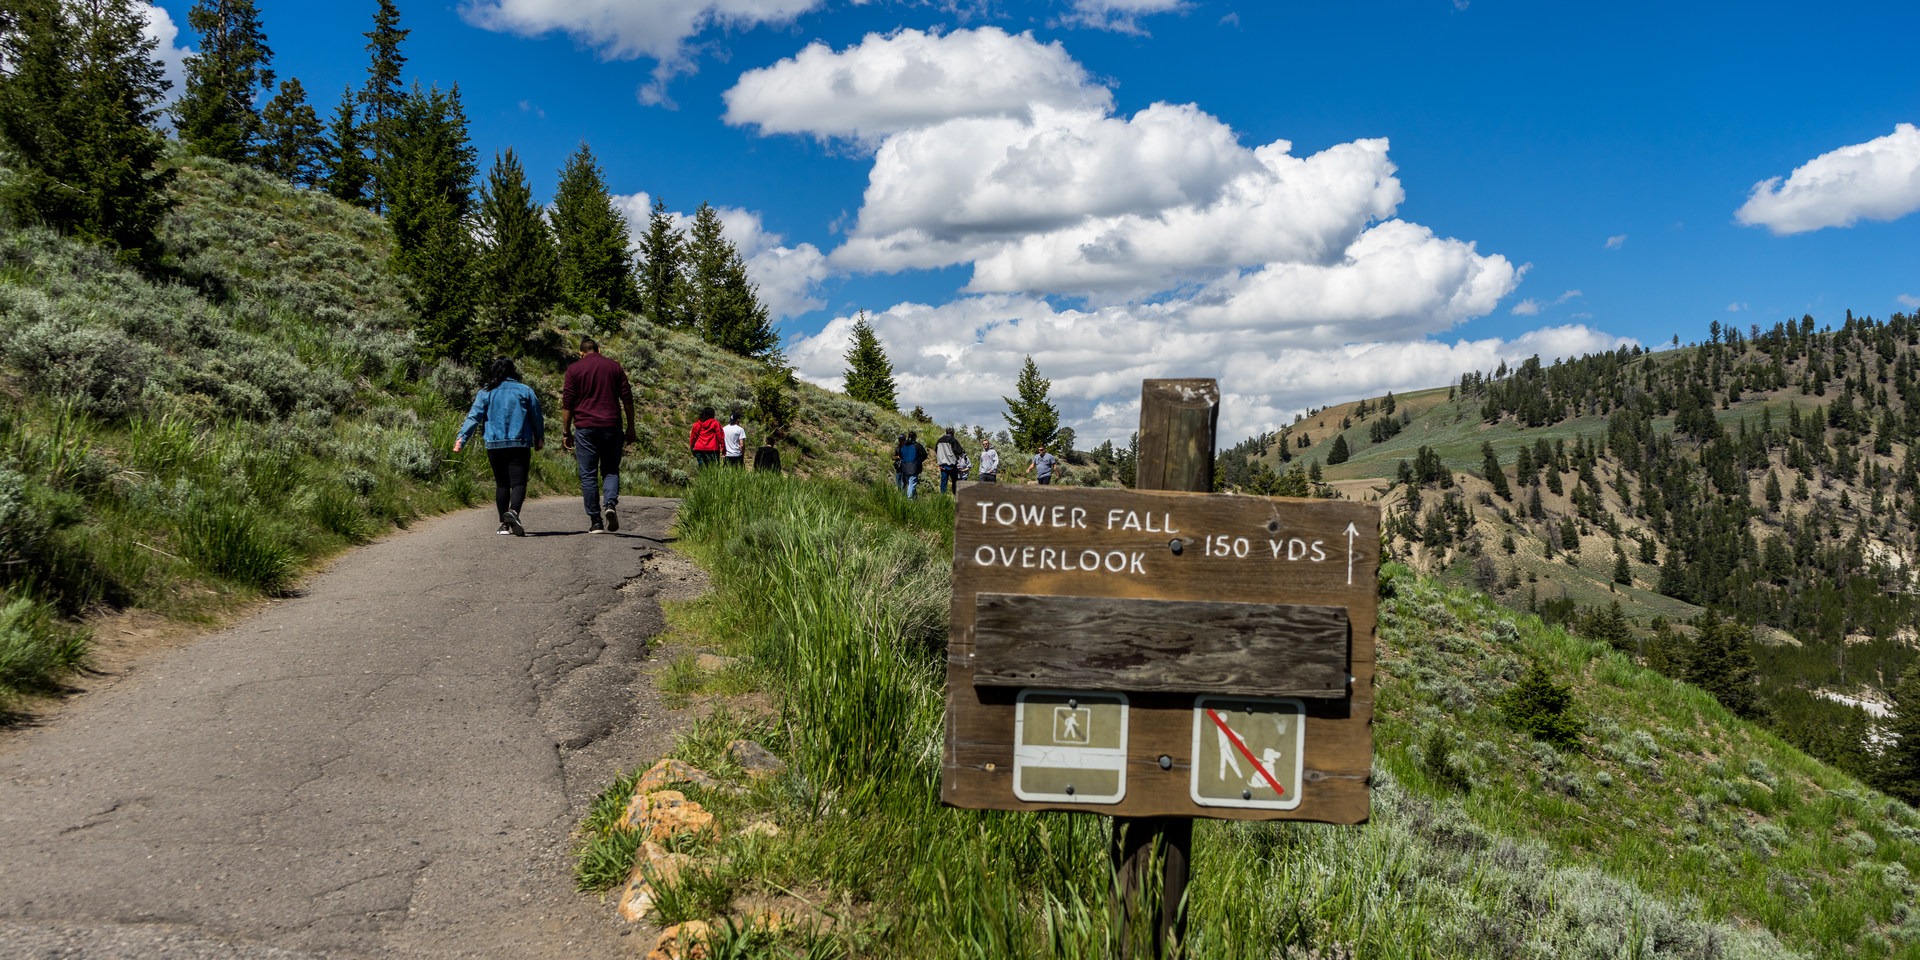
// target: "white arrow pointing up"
[[1352, 532]]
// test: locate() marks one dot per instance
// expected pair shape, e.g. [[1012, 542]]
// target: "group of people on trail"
[[713, 443], [950, 456], [594, 395], [596, 424]]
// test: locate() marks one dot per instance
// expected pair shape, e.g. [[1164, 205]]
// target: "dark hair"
[[733, 418], [911, 435], [706, 413], [589, 344], [500, 371]]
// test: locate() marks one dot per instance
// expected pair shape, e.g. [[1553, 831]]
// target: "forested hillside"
[[1743, 513]]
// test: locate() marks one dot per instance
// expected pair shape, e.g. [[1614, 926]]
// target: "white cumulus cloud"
[[1616, 241], [1114, 248], [161, 29], [906, 79], [629, 29], [1876, 180], [960, 358]]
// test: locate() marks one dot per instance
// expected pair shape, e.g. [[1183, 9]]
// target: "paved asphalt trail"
[[387, 765]]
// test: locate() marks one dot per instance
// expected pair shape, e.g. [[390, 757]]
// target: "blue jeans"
[[598, 450], [949, 475], [913, 483]]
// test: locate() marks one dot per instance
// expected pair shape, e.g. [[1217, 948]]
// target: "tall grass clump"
[[36, 648]]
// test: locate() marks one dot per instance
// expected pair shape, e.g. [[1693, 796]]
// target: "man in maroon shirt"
[[592, 397]]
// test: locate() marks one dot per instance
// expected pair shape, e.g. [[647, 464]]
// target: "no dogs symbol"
[[1248, 752]]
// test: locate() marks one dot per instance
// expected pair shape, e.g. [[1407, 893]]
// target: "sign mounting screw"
[[1166, 762]]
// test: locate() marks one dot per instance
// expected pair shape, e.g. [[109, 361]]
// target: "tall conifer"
[[349, 172], [383, 95], [724, 302], [77, 105], [595, 268], [516, 268], [216, 116], [431, 195], [869, 373], [662, 278], [293, 146], [1032, 419]]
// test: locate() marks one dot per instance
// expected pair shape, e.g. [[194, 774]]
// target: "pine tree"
[[1622, 572], [1490, 465], [869, 372], [595, 271], [1722, 664], [383, 96], [348, 171], [663, 261], [215, 115], [1031, 419], [293, 147], [1899, 772], [726, 306], [431, 197], [78, 102], [517, 266], [1339, 452]]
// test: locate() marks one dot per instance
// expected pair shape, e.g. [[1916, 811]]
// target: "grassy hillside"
[[186, 440], [1773, 478], [1668, 828]]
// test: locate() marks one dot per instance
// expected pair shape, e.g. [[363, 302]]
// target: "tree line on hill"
[[485, 264], [1770, 476]]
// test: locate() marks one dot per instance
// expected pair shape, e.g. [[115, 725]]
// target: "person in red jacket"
[[705, 438]]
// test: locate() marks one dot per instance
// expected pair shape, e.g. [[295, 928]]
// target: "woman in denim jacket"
[[514, 429]]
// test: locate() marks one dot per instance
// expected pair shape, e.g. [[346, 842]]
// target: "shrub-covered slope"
[[187, 437]]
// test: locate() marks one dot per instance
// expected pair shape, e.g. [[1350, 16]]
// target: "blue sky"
[[1310, 202]]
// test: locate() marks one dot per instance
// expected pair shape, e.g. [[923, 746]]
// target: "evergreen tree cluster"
[[78, 127]]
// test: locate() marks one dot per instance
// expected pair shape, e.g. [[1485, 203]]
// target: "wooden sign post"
[[1156, 655]]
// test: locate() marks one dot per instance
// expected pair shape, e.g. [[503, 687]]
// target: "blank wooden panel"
[[1160, 646]]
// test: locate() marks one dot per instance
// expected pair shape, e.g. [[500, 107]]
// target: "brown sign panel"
[[1160, 646], [1245, 583]]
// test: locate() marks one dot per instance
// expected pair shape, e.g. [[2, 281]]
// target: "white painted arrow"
[[1352, 532]]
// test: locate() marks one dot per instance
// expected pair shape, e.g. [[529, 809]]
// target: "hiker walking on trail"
[[513, 429], [947, 452], [989, 462], [592, 397], [704, 438], [1043, 465], [899, 469], [733, 438], [913, 459]]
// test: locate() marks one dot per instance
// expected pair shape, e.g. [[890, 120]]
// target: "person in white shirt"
[[733, 438], [989, 462]]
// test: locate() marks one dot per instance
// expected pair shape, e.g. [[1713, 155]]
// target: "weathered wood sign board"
[[1146, 654]]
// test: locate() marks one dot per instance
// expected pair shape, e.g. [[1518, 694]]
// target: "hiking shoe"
[[503, 531], [596, 527], [513, 525], [612, 516]]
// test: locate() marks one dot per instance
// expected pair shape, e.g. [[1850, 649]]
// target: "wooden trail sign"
[[1257, 610]]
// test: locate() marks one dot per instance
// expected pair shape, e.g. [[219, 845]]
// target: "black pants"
[[510, 465]]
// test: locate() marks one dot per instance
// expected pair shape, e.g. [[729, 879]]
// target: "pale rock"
[[664, 814], [756, 760], [652, 865], [668, 772]]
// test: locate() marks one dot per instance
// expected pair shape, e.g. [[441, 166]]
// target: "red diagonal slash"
[[1241, 746]]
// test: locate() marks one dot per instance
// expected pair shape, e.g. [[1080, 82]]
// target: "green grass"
[[1674, 830]]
